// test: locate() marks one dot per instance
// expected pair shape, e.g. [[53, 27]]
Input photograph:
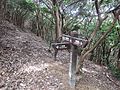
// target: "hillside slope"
[[26, 64]]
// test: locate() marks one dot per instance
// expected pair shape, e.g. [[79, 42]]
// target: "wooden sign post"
[[73, 62], [71, 42]]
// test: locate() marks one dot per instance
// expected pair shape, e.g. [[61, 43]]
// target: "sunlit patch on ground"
[[89, 71], [87, 87], [35, 68]]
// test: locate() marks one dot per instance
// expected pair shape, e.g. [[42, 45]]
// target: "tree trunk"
[[58, 24], [37, 23], [118, 61], [3, 7]]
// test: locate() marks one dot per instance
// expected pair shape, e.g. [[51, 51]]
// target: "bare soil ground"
[[26, 64]]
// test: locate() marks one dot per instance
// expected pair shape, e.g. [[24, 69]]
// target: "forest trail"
[[26, 64]]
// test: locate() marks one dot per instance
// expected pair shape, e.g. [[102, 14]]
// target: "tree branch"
[[46, 4], [100, 40], [85, 53]]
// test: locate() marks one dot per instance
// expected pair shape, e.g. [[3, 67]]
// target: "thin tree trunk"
[[118, 61]]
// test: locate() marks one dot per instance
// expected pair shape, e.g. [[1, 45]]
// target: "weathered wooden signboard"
[[71, 43]]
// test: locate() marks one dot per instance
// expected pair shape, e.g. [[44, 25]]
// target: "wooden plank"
[[62, 43], [60, 46], [76, 41], [75, 38]]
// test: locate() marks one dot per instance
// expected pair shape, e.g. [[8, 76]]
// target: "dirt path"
[[26, 64]]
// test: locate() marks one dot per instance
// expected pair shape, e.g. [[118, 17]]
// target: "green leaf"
[[45, 10]]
